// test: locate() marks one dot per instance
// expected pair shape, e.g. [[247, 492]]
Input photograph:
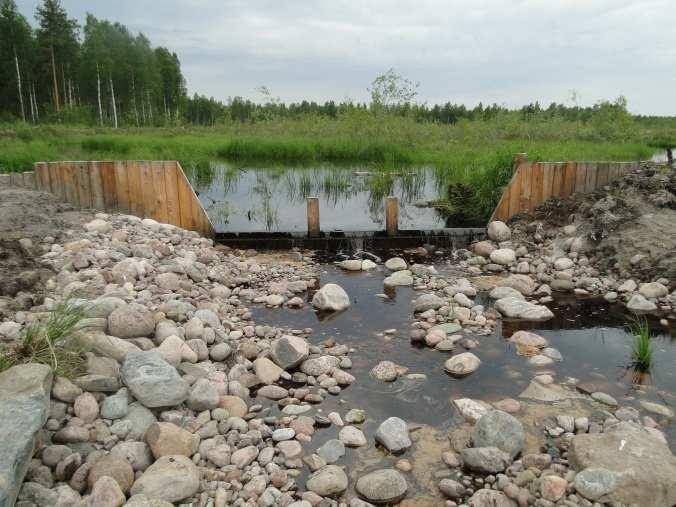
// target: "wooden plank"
[[526, 186], [313, 226], [568, 179], [199, 216], [81, 172], [5, 181], [136, 206], [580, 177], [96, 186], [40, 173], [602, 174], [122, 186], [70, 184], [559, 169], [29, 180], [537, 176], [109, 185], [159, 189], [590, 184], [148, 193], [185, 199], [547, 180], [515, 193], [502, 209], [15, 179], [614, 172], [391, 215], [53, 178], [171, 188]]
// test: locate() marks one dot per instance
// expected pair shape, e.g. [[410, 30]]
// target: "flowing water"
[[588, 332], [257, 199]]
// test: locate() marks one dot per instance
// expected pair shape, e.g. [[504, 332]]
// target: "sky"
[[511, 52]]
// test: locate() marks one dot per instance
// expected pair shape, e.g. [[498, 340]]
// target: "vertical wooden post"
[[313, 217], [392, 215]]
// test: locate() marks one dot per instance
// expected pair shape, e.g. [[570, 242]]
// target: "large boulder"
[[152, 380], [499, 429], [638, 303], [289, 351], [393, 435], [522, 283], [487, 460], [385, 486], [498, 231], [516, 308], [24, 407], [402, 278], [503, 256], [426, 302], [170, 478], [330, 480], [644, 467], [462, 365], [131, 321], [331, 297], [166, 439], [395, 264]]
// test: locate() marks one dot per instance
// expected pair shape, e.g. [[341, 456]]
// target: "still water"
[[258, 199]]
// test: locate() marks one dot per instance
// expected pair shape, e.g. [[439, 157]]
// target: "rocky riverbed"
[[221, 377]]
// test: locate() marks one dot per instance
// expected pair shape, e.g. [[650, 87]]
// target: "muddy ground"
[[630, 224]]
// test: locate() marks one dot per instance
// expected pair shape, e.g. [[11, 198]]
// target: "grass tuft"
[[642, 348], [53, 343]]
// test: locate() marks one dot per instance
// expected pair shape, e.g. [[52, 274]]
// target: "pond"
[[263, 199], [589, 333]]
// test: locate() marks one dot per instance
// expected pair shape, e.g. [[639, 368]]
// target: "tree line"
[[102, 74], [99, 73]]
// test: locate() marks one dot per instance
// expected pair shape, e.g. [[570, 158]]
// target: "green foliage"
[[642, 349], [53, 343]]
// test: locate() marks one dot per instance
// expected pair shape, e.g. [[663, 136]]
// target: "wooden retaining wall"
[[146, 189], [533, 183]]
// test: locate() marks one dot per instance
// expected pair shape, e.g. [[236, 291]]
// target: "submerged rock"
[[515, 308], [393, 435], [501, 430], [462, 365]]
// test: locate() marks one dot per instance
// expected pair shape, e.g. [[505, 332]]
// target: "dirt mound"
[[630, 224]]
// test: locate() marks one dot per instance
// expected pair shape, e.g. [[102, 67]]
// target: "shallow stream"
[[588, 332]]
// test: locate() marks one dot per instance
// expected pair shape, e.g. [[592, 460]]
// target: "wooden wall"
[[533, 183], [146, 189]]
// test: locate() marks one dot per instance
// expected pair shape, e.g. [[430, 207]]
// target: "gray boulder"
[[24, 407], [516, 308], [393, 435], [638, 303], [385, 486], [487, 460], [131, 321], [331, 297], [171, 478], [289, 351], [498, 231], [499, 429], [329, 480], [426, 302], [152, 380]]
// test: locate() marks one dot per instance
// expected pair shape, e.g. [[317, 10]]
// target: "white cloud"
[[504, 51]]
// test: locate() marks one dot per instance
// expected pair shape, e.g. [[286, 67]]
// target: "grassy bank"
[[475, 154]]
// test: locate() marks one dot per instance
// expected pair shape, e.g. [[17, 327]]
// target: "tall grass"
[[642, 348], [52, 343]]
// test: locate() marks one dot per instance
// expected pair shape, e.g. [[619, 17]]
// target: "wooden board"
[[568, 179], [147, 191], [122, 186], [135, 186], [171, 188], [557, 182], [96, 186], [526, 186], [514, 195], [590, 184], [159, 211], [107, 169], [602, 174], [83, 186], [537, 177]]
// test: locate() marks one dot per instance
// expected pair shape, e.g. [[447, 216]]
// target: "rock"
[[503, 292], [604, 398], [540, 360], [462, 365], [401, 278], [289, 351], [653, 290], [329, 480], [64, 390], [203, 396], [112, 466], [24, 407], [131, 321], [386, 371], [528, 339], [487, 460], [106, 492], [384, 486], [332, 450], [153, 381], [137, 454], [235, 405], [220, 352], [331, 297], [501, 430], [594, 483], [645, 467], [483, 248], [352, 436], [656, 408], [638, 303], [367, 265], [519, 309], [10, 331], [167, 439], [267, 371], [393, 435], [490, 498], [503, 256], [521, 283], [170, 478], [471, 410], [395, 264], [86, 407], [563, 263], [451, 489], [242, 458], [561, 285], [498, 231], [351, 265], [553, 487], [98, 225], [115, 406], [317, 366], [109, 346], [140, 418], [426, 302]]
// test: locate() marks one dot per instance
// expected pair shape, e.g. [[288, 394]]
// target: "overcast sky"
[[507, 51]]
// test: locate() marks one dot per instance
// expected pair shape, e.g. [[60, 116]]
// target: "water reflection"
[[241, 199]]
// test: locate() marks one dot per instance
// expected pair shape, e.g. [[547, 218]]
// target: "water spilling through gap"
[[253, 199]]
